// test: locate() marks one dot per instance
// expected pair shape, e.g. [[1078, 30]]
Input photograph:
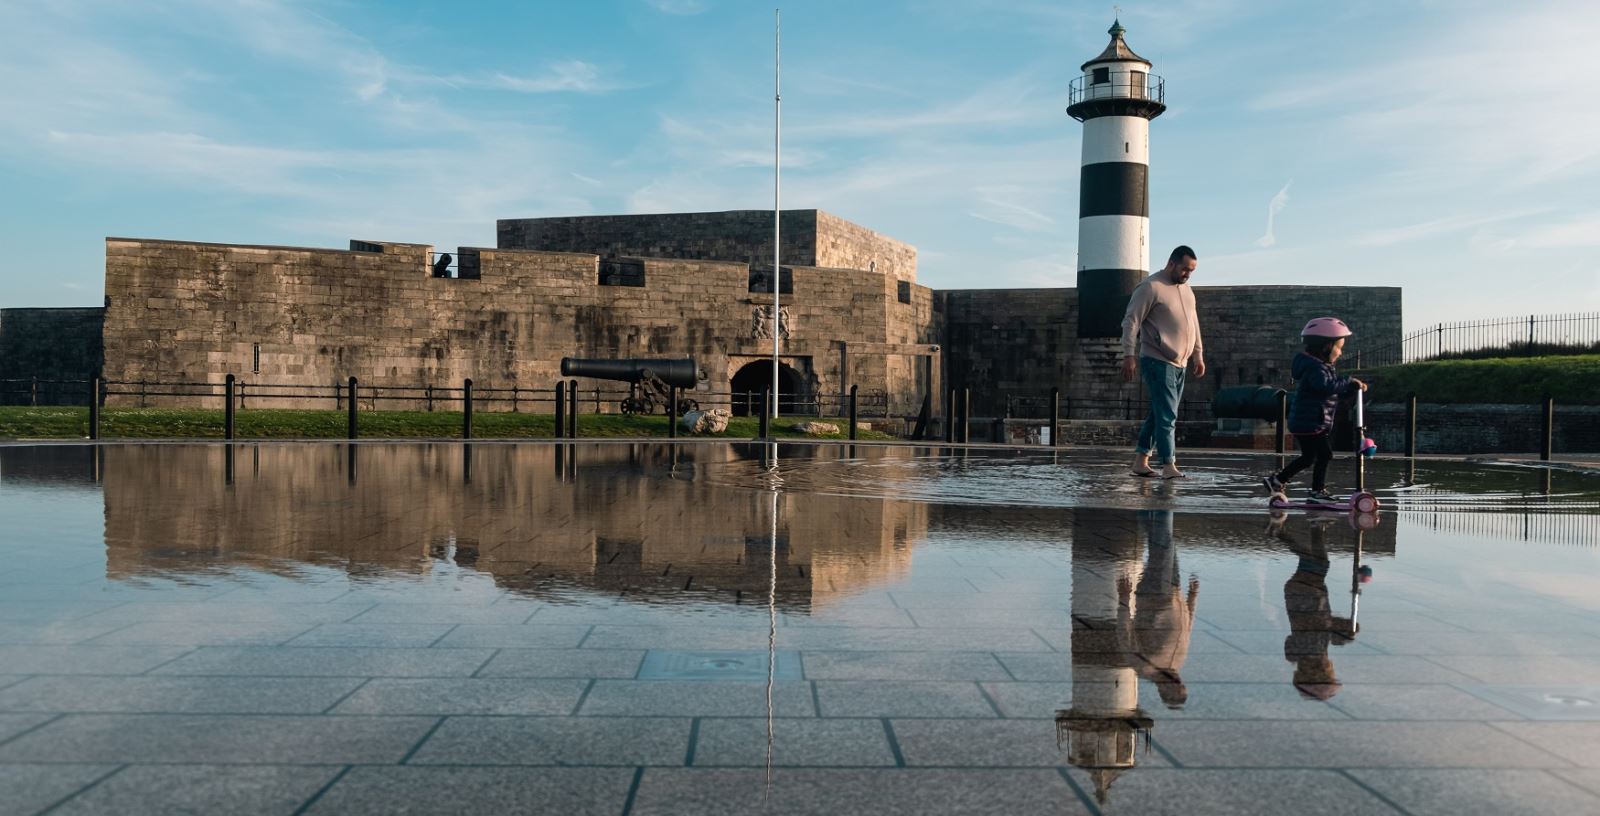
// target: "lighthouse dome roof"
[[1117, 50]]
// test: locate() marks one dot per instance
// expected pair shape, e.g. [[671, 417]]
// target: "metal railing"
[[1522, 336], [1030, 406], [1121, 86], [1542, 525]]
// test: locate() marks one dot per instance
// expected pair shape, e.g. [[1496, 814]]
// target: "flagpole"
[[777, 187]]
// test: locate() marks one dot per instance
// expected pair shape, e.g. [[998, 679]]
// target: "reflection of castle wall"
[[619, 523]]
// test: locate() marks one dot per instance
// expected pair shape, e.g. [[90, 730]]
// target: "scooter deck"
[[1282, 502]]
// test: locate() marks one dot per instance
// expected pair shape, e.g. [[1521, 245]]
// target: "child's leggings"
[[1315, 450]]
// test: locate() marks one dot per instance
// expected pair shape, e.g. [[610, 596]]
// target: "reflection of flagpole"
[[772, 611], [777, 178]]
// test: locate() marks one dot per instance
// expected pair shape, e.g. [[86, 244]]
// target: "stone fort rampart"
[[192, 311], [687, 284]]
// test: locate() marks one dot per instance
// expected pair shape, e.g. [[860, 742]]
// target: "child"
[[1316, 397]]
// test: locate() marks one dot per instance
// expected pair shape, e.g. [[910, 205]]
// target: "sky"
[[1451, 148]]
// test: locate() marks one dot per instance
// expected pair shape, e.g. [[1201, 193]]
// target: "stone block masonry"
[[1007, 344], [52, 345], [284, 315], [810, 238]]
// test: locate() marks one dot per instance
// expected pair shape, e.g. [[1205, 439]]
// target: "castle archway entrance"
[[753, 378]]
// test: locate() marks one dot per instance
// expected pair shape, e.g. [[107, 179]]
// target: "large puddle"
[[704, 628]]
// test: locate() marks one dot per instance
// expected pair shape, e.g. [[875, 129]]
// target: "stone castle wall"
[[810, 238], [1011, 346], [314, 317], [53, 345]]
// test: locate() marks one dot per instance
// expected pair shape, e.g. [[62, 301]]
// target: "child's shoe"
[[1323, 496], [1273, 485]]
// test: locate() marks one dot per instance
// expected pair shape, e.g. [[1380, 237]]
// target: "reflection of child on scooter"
[[1316, 398], [1312, 625]]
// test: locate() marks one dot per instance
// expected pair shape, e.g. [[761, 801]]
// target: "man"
[[1160, 340]]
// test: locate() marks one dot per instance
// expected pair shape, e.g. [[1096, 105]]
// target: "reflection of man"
[[1312, 625], [1163, 618]]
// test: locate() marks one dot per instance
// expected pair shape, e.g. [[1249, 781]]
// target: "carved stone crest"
[[761, 322]]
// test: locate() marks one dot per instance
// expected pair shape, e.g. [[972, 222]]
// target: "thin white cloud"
[[574, 76], [1274, 207], [681, 8], [1582, 231], [1000, 205], [1434, 228]]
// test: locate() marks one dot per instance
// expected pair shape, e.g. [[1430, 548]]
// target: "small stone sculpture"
[[817, 428], [712, 420]]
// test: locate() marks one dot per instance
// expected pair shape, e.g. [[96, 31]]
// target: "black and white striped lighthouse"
[[1115, 99]]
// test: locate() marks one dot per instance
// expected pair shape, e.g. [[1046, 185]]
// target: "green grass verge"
[[187, 423], [1571, 380]]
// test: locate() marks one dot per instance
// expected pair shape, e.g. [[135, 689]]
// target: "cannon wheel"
[[685, 405], [634, 405]]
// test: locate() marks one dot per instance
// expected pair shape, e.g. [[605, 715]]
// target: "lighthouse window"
[[1136, 86], [1101, 76]]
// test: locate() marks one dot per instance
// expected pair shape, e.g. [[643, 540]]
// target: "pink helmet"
[[1326, 327]]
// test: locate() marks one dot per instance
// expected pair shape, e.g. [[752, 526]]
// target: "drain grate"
[[1542, 702], [751, 666]]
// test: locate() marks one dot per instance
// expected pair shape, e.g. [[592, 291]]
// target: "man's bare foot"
[[1141, 465], [1171, 471]]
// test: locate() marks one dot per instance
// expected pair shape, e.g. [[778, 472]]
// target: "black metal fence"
[[259, 394], [1029, 406], [1541, 524], [1522, 336]]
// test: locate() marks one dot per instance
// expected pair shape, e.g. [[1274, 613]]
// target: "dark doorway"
[[754, 378]]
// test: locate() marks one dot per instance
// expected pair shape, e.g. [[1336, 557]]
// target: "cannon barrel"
[[681, 373], [1246, 402]]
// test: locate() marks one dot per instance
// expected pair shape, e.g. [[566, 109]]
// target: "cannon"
[[650, 382], [1247, 402]]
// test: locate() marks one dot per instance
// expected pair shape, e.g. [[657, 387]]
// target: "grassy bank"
[[1571, 380], [166, 423]]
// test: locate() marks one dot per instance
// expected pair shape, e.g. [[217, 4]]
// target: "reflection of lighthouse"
[[1115, 99], [1099, 729]]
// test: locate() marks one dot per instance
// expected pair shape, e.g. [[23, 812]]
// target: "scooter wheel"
[[1366, 503]]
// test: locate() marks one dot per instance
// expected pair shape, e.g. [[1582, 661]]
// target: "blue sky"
[[1452, 148]]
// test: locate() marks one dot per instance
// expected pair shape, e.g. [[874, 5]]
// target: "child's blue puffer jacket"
[[1316, 396]]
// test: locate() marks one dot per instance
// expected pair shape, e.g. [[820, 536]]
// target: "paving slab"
[[1269, 744], [329, 662], [827, 792], [386, 635], [1155, 791], [177, 695], [870, 698], [821, 665], [1479, 792], [228, 739], [425, 791], [511, 696], [585, 663], [694, 698], [86, 659], [156, 790], [30, 789], [743, 742], [621, 741]]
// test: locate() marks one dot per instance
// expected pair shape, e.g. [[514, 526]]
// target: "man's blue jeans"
[[1164, 382]]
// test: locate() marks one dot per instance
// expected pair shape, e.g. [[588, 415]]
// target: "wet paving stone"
[[1001, 632]]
